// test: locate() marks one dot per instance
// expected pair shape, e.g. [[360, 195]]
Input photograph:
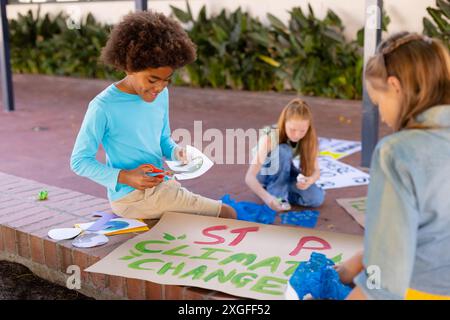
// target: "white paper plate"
[[89, 240]]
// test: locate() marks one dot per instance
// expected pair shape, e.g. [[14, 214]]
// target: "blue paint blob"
[[115, 225], [253, 212], [305, 218], [249, 211], [318, 278]]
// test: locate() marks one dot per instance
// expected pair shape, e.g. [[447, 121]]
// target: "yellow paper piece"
[[127, 231], [334, 155], [412, 294], [131, 225]]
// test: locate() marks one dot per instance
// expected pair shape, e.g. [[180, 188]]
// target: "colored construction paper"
[[117, 226], [100, 223]]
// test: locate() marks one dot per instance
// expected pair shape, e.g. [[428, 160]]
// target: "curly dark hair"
[[148, 39]]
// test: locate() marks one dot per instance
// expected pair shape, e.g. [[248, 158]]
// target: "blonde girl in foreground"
[[407, 236]]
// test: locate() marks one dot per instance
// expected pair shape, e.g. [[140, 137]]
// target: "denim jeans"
[[281, 181]]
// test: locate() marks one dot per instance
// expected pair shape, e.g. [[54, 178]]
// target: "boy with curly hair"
[[130, 118]]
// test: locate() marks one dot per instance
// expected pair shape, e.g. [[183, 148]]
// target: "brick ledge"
[[24, 223]]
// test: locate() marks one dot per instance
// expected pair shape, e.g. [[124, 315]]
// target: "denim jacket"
[[407, 235]]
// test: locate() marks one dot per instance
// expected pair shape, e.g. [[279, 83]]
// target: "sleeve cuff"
[[376, 293], [115, 180]]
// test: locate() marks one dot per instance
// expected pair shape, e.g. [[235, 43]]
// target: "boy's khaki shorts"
[[168, 196]]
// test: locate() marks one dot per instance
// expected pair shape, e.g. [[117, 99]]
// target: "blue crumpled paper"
[[253, 212], [305, 218], [318, 278], [249, 211]]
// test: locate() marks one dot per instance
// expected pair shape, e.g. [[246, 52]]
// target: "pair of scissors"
[[159, 173], [195, 164]]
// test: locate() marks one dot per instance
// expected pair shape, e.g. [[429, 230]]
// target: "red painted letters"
[[206, 233], [304, 240], [241, 233]]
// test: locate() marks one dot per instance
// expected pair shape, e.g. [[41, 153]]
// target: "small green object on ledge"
[[43, 195]]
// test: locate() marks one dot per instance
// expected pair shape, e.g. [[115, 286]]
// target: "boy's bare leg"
[[227, 212]]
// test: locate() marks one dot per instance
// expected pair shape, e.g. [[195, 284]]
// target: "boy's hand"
[[138, 178], [181, 155]]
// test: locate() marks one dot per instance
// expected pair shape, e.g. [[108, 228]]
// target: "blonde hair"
[[421, 64], [308, 145]]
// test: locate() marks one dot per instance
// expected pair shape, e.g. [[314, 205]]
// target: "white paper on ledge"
[[192, 153]]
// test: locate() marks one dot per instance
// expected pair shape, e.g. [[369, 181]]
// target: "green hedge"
[[235, 51], [46, 45], [439, 26], [308, 55]]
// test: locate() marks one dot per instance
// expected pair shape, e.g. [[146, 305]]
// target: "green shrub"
[[316, 58], [46, 45], [235, 51], [228, 57], [440, 26], [308, 55]]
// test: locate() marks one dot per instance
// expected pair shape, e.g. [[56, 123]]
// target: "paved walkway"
[[36, 140]]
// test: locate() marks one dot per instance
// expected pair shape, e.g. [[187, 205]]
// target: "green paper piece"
[[337, 259], [43, 195]]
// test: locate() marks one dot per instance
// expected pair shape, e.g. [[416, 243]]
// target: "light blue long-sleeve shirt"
[[132, 132], [407, 232]]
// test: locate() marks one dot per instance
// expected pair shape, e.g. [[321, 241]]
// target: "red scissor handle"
[[158, 170], [155, 169]]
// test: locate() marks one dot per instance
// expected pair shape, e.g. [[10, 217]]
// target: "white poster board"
[[337, 148], [356, 207], [236, 257], [335, 174]]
